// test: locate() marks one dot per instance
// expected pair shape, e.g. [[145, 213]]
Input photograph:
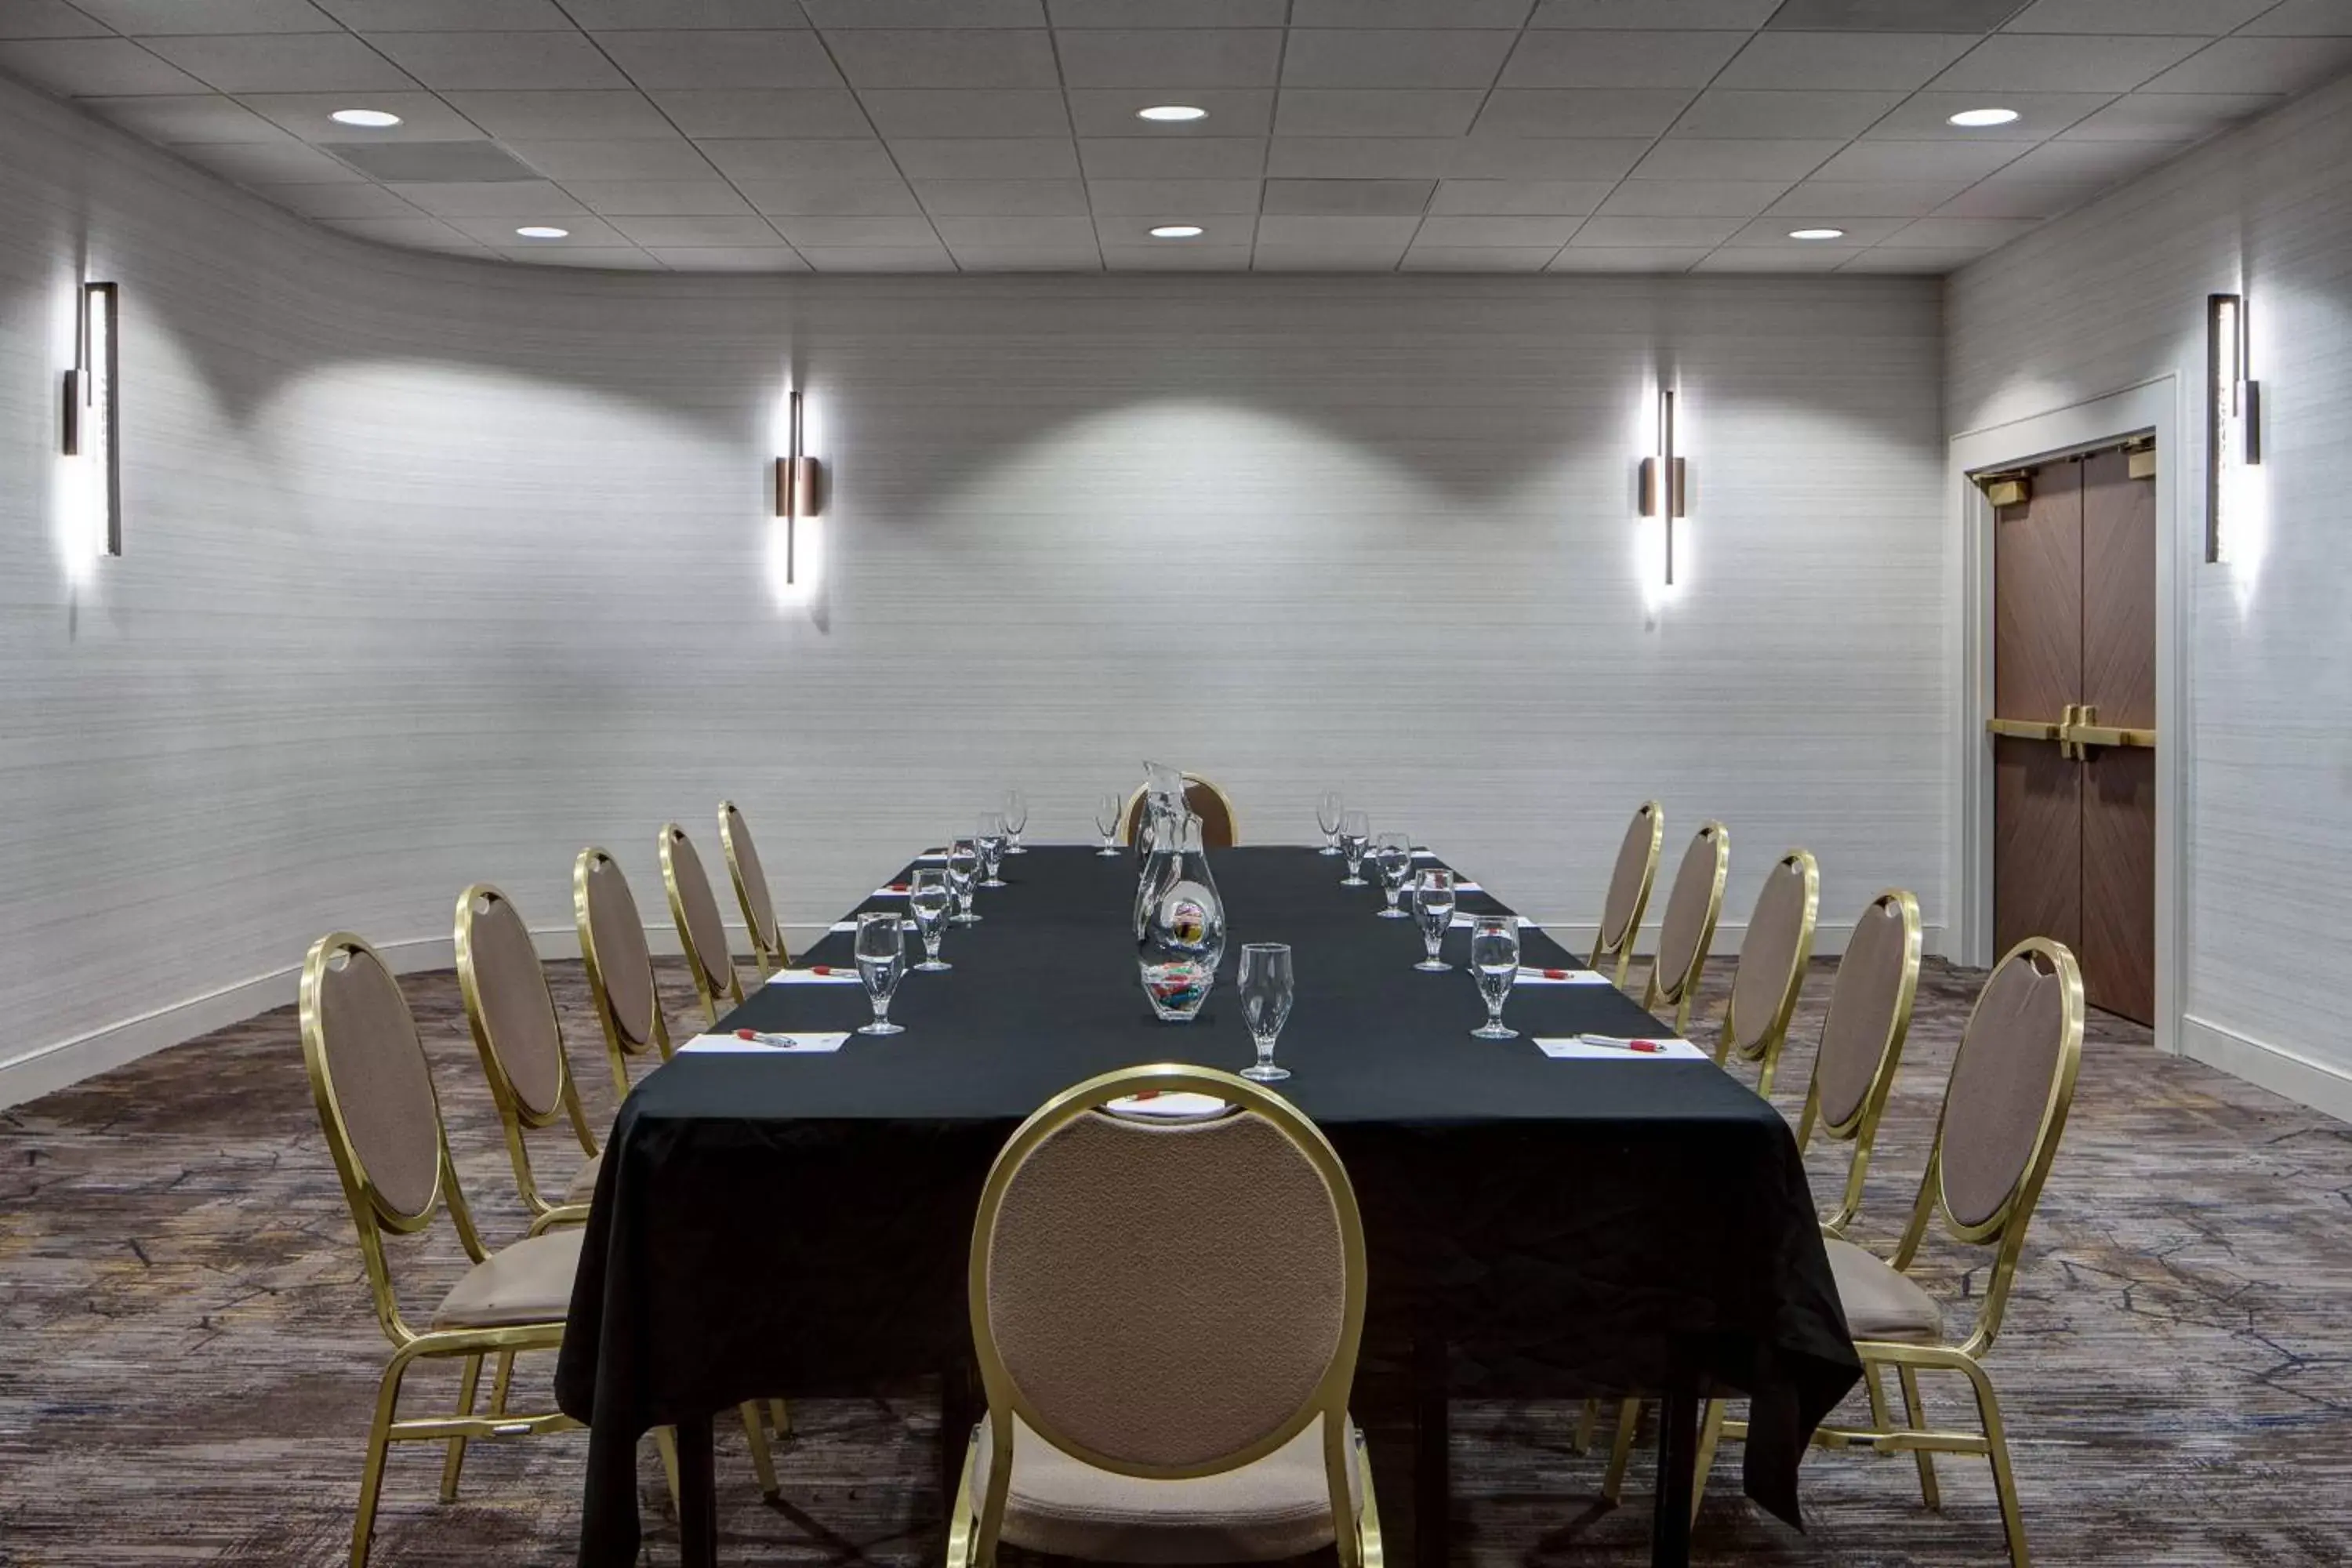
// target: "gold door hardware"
[[2087, 731], [2011, 487], [2024, 729], [2139, 457], [2077, 730]]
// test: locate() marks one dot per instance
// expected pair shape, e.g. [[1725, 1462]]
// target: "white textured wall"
[[437, 571], [2115, 295]]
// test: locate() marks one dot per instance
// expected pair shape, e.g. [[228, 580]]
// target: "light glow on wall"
[[794, 551], [89, 497], [1660, 534]]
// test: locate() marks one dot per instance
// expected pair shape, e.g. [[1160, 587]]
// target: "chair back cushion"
[[760, 909], [1768, 951], [2000, 1088], [1635, 867], [705, 928], [375, 1066], [1166, 1295], [518, 1015], [624, 964], [1202, 799], [1863, 1003], [1688, 908]]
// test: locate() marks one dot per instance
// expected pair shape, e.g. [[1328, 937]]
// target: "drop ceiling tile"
[[1927, 116], [1178, 200], [1111, 112], [475, 162], [2303, 19], [93, 67], [1288, 229], [824, 196], [1621, 59], [1158, 257], [2171, 116], [1893, 15], [1505, 14], [1516, 199], [270, 163], [1582, 112], [831, 14], [1159, 14], [171, 118], [1918, 161], [1326, 258], [795, 160], [1962, 231], [588, 160], [749, 113], [338, 201], [565, 116], [2105, 161], [1867, 198], [1692, 198], [2051, 63], [599, 14], [529, 198], [1703, 158], [447, 15], [1171, 56], [289, 62], [417, 233], [2210, 18], [1844, 60], [423, 117], [603, 258], [807, 230], [932, 258], [1395, 57], [998, 230], [1859, 231], [990, 158], [946, 57], [974, 198], [161, 18], [658, 198], [714, 57], [1451, 232], [1478, 258], [1643, 13], [1921, 260], [2258, 65], [1027, 258], [499, 229], [1347, 111], [1654, 231], [898, 112], [1202, 158], [1348, 198], [1489, 157], [1735, 112], [511, 61], [1777, 258], [48, 19], [2001, 196], [729, 257], [743, 229], [1628, 258], [1361, 157]]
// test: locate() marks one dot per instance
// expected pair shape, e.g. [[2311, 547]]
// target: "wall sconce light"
[[92, 407], [2233, 414], [1663, 494], [797, 481]]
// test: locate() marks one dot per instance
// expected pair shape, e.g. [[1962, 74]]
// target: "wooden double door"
[[2075, 722]]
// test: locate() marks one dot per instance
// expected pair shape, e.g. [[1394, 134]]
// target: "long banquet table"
[[798, 1224]]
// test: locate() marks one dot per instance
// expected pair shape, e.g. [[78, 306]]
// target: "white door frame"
[[2151, 406]]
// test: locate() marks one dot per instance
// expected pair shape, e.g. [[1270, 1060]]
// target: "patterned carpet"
[[190, 1352]]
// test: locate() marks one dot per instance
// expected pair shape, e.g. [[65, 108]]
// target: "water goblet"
[[1433, 902], [1495, 960], [963, 867], [881, 962], [928, 898], [1355, 832], [1328, 808], [1392, 858], [1266, 991], [990, 840], [1017, 817], [1109, 808]]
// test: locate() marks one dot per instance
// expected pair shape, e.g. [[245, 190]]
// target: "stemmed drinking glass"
[[881, 962], [1017, 817], [990, 840], [1265, 1004], [1109, 807], [1355, 832], [1495, 960], [1328, 808], [963, 866], [928, 897], [1433, 905], [1392, 858]]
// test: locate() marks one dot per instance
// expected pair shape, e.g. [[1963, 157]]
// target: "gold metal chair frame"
[[516, 1118], [1678, 991], [618, 1046], [973, 1530], [1767, 1046], [768, 950], [1861, 1129], [373, 1215], [672, 836], [2003, 1230], [1131, 817], [1623, 947]]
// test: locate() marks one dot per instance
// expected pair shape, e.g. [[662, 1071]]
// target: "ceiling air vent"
[[483, 162]]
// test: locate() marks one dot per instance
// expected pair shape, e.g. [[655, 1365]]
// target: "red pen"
[[1651, 1046], [895, 887], [826, 969]]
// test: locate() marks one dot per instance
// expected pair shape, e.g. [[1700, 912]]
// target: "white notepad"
[[1173, 1105], [852, 925], [1604, 1049], [765, 1046], [811, 977], [1464, 922], [1564, 977]]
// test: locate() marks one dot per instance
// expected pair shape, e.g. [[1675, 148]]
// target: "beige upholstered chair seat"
[[1880, 1303], [584, 1185], [530, 1283], [1278, 1506]]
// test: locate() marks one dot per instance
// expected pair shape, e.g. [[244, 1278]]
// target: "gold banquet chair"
[[701, 932], [375, 1093], [2005, 1109], [1118, 1261], [1220, 828], [516, 1033], [1630, 881], [752, 894], [1769, 972], [1693, 906], [620, 966]]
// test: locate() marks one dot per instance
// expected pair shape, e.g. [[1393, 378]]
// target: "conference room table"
[[785, 1225]]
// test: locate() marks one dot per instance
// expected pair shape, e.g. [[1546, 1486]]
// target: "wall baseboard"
[[2321, 1085], [45, 1069]]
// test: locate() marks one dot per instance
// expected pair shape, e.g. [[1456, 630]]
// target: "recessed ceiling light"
[[1177, 231], [1817, 233], [1172, 112], [1972, 119], [374, 119], [542, 231]]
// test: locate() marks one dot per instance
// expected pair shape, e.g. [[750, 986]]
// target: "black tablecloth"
[[800, 1224]]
